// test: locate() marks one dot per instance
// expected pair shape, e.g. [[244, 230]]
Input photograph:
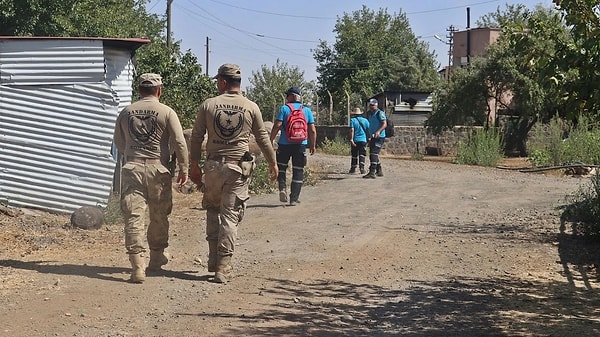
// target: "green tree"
[[268, 85], [185, 86], [518, 78], [373, 52], [577, 61], [83, 18], [511, 15]]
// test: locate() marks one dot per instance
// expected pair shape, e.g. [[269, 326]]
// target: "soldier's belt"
[[143, 160]]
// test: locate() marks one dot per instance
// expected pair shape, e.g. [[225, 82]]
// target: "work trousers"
[[375, 145], [225, 197], [297, 152], [359, 155], [146, 186]]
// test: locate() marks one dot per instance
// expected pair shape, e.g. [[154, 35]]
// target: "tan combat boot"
[[138, 274], [158, 258], [212, 256], [224, 269]]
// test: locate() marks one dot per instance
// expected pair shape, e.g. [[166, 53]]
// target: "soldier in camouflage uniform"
[[227, 120], [145, 131]]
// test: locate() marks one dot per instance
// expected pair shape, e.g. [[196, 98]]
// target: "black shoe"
[[294, 202], [370, 175], [352, 171], [362, 171], [379, 174]]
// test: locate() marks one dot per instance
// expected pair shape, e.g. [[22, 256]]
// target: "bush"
[[339, 146], [584, 208], [261, 182], [483, 147], [564, 143], [540, 157]]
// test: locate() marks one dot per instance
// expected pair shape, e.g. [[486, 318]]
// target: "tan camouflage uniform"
[[228, 120], [144, 134]]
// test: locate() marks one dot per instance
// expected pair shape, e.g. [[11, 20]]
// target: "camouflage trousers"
[[146, 186], [225, 196]]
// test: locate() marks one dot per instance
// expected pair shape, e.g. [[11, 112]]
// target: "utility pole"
[[348, 103], [330, 106], [207, 51], [450, 37], [169, 2], [468, 36]]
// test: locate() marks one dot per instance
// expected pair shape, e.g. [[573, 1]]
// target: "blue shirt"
[[375, 120], [284, 112], [359, 124]]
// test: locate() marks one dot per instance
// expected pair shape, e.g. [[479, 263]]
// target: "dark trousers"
[[297, 153], [359, 155], [375, 145]]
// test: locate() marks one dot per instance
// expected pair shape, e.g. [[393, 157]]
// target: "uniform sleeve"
[[198, 133], [118, 136], [181, 149]]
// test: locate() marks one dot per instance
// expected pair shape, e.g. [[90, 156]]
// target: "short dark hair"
[[148, 90], [231, 80]]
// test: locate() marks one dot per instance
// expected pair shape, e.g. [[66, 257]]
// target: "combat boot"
[[370, 175], [138, 274], [352, 170], [157, 260], [362, 170], [379, 172], [212, 256], [224, 269]]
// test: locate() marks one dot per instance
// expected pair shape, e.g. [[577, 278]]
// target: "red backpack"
[[296, 129]]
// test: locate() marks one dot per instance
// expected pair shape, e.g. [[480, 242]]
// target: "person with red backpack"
[[297, 125]]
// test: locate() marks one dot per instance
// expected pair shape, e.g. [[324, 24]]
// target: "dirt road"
[[431, 249]]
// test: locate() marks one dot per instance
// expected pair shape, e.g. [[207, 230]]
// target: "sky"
[[256, 33]]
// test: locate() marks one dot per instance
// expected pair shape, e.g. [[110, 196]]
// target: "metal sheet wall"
[[56, 132]]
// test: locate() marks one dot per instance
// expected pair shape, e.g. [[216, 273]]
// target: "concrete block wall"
[[408, 140]]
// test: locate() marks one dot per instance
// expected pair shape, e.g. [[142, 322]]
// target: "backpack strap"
[[292, 109], [364, 129]]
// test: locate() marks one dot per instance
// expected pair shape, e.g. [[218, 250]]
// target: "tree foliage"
[[82, 18], [580, 58], [268, 85], [518, 79], [185, 86], [373, 52]]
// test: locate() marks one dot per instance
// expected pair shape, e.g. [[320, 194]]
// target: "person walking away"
[[145, 132], [293, 145], [359, 135], [377, 124], [227, 120]]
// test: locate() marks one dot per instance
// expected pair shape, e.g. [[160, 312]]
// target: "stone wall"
[[408, 140]]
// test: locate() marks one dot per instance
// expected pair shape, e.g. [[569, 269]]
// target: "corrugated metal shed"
[[413, 109], [59, 99]]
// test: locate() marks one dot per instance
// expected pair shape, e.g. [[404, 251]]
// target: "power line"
[[335, 18], [252, 35], [450, 8], [272, 13]]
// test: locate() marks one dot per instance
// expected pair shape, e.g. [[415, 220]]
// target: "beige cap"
[[356, 111], [150, 80], [229, 70]]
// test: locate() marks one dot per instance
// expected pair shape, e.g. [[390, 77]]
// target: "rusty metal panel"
[[56, 130]]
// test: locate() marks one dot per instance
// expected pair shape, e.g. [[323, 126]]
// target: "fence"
[[408, 140]]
